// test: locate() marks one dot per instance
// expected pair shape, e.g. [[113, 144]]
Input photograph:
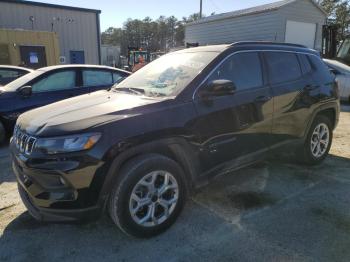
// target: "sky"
[[115, 12]]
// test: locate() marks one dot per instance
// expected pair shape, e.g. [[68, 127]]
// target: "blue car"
[[51, 84], [10, 73]]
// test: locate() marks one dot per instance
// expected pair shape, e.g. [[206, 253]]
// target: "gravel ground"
[[275, 211]]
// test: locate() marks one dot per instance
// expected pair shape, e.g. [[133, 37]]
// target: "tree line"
[[338, 12], [165, 33], [152, 35]]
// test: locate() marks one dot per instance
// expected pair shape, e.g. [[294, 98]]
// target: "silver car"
[[342, 76]]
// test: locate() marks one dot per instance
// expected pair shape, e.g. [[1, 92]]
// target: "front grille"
[[23, 141]]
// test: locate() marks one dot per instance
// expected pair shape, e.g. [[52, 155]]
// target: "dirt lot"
[[277, 211]]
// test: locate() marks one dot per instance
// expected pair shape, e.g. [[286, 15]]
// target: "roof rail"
[[266, 43]]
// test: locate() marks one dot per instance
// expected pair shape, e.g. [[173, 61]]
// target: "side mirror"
[[220, 87], [25, 91]]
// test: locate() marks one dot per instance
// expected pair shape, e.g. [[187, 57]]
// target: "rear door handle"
[[262, 99]]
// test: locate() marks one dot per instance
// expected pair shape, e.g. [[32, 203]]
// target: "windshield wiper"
[[137, 91]]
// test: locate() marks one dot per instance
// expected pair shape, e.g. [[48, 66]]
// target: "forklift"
[[332, 48], [134, 53]]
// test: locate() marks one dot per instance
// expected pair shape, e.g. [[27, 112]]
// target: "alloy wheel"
[[320, 140], [154, 198]]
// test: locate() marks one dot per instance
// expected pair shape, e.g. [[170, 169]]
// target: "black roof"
[[32, 3], [267, 43], [261, 45], [256, 45]]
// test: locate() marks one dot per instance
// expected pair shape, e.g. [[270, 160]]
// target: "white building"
[[292, 21]]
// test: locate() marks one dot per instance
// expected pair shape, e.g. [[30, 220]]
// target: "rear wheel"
[[318, 141], [148, 197], [2, 133]]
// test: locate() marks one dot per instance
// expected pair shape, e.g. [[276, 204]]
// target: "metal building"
[[110, 55], [292, 21], [78, 29], [34, 49]]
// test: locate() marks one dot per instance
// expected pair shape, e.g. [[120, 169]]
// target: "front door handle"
[[262, 99]]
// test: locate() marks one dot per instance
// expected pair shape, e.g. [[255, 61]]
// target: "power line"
[[216, 6]]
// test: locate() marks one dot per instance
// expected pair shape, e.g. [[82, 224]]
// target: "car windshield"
[[22, 81], [168, 75]]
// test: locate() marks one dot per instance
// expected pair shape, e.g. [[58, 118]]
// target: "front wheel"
[[318, 141], [148, 197]]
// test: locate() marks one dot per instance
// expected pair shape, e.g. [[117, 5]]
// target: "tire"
[[136, 179], [316, 156], [2, 133]]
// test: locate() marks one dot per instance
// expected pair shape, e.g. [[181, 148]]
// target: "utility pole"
[[201, 9]]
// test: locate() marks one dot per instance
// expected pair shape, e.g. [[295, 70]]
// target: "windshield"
[[168, 75], [22, 81]]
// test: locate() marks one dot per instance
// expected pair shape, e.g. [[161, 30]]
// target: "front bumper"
[[57, 215], [61, 189]]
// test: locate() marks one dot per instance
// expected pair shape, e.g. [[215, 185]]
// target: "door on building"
[[4, 54], [33, 56], [77, 57], [301, 33]]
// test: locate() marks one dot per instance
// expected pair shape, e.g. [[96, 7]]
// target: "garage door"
[[301, 33]]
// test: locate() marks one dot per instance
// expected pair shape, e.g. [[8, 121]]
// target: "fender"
[[175, 148]]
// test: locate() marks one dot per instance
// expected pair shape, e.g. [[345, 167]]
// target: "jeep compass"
[[140, 148]]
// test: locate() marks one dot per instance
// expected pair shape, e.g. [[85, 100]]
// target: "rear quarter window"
[[306, 64], [321, 69]]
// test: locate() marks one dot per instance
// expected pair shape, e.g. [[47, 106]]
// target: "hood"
[[343, 68], [82, 112]]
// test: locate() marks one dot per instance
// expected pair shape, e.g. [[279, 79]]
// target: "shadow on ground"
[[276, 210], [6, 174]]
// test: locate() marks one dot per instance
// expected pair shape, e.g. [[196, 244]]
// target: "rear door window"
[[93, 78], [8, 75], [243, 69], [117, 77], [283, 67]]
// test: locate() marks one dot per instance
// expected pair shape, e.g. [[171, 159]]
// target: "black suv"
[[139, 149]]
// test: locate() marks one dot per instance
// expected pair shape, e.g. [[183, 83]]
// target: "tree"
[[342, 18], [338, 12], [159, 35]]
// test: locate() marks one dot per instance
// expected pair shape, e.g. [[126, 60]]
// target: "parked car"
[[342, 77], [10, 73], [51, 84], [142, 147]]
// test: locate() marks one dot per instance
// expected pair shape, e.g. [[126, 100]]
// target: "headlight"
[[67, 143]]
